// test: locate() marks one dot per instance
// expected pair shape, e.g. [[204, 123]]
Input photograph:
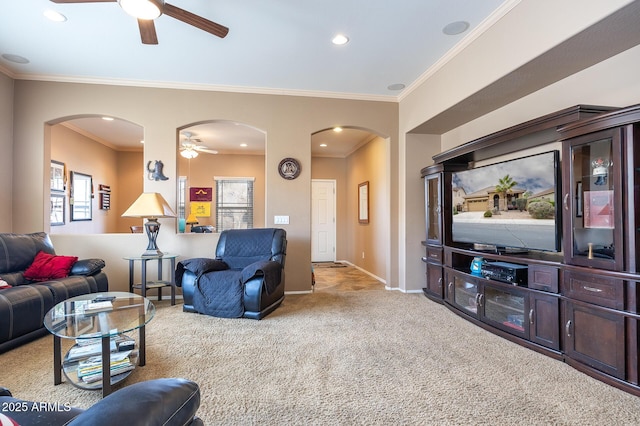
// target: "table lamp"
[[192, 220], [150, 206]]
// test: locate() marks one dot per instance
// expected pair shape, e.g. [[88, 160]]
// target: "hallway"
[[339, 277]]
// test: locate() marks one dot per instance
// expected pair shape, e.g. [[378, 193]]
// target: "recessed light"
[[397, 86], [340, 39], [142, 141], [324, 145], [107, 118], [244, 145], [456, 28], [52, 15], [15, 58], [337, 129]]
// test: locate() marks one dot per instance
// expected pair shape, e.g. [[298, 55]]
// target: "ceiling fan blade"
[[83, 1], [195, 20], [147, 31], [202, 148]]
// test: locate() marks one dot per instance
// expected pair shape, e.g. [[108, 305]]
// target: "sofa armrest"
[[168, 401], [87, 267]]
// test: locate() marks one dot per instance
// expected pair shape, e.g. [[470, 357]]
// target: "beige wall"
[[6, 149], [201, 170], [288, 122], [84, 155], [367, 243], [131, 176]]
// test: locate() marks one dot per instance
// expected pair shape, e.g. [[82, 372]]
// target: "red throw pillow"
[[47, 266]]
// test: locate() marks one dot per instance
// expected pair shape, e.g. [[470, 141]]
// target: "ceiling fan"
[[190, 147], [148, 10]]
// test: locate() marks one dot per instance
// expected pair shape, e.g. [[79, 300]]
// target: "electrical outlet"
[[281, 220]]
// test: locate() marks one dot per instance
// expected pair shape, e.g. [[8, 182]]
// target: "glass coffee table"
[[98, 323]]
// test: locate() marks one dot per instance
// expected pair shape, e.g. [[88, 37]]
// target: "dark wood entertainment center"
[[580, 305]]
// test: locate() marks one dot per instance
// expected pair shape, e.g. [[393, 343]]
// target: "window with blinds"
[[234, 203]]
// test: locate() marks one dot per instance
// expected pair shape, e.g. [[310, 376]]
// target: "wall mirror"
[[81, 193], [218, 151]]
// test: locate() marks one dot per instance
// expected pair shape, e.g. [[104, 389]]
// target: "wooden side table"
[[159, 283]]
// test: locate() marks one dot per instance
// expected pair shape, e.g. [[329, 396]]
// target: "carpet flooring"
[[341, 356]]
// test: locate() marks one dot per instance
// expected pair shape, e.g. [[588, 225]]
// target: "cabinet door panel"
[[596, 337], [544, 321], [434, 280], [505, 309]]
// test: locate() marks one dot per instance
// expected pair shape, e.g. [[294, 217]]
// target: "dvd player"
[[506, 272]]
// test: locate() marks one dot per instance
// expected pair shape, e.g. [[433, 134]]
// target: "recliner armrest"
[[169, 401], [269, 269]]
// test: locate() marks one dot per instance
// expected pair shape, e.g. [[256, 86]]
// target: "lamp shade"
[[149, 205], [191, 219]]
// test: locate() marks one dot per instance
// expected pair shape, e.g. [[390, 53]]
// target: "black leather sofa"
[[24, 304], [169, 402], [246, 278]]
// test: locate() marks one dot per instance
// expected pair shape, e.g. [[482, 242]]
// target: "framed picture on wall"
[[57, 208], [58, 176], [363, 202]]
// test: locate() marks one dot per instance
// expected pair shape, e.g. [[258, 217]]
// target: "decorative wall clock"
[[289, 168]]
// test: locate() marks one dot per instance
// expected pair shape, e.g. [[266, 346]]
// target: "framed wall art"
[[80, 196], [57, 209], [363, 202], [58, 176]]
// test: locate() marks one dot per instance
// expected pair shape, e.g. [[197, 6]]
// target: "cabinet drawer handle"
[[568, 328], [531, 316], [566, 201], [424, 259], [592, 289], [439, 280], [479, 298]]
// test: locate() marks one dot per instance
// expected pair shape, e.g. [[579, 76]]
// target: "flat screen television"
[[509, 206]]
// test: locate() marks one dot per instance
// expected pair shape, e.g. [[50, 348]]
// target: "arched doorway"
[[350, 157]]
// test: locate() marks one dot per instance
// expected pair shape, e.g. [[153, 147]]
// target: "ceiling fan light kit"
[[189, 153], [148, 10], [142, 9]]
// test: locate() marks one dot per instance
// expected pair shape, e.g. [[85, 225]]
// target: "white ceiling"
[[278, 46]]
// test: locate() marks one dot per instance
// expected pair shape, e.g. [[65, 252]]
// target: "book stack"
[[90, 370], [91, 347]]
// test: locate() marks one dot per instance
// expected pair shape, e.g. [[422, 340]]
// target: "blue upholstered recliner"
[[246, 278]]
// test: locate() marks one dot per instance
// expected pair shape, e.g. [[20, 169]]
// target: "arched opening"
[[221, 176], [349, 157], [94, 173]]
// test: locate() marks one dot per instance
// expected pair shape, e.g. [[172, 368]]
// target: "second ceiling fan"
[[148, 10]]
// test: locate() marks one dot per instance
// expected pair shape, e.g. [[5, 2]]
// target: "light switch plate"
[[281, 220]]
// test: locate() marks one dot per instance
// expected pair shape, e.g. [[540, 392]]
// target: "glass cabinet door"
[[432, 198], [505, 309], [466, 292], [595, 211]]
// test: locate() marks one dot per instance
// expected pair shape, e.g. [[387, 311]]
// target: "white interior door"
[[323, 220]]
